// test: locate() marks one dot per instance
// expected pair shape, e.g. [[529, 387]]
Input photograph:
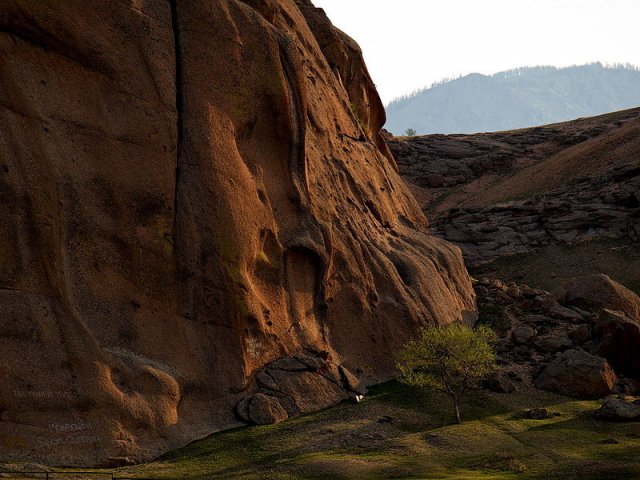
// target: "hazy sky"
[[409, 44]]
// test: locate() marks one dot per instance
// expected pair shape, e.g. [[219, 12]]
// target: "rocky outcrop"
[[345, 58], [586, 351], [598, 292], [537, 414], [440, 163], [445, 161], [607, 207], [499, 194], [620, 343], [192, 190], [294, 385]]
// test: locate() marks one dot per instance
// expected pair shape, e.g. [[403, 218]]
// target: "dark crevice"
[[175, 25], [26, 292], [360, 139], [25, 29], [22, 114]]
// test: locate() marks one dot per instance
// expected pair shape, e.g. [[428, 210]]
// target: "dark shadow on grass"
[[478, 404], [391, 398], [595, 470], [581, 421]]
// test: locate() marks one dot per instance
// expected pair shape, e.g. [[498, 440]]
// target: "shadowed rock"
[[266, 410], [619, 409], [596, 292], [620, 342], [576, 373]]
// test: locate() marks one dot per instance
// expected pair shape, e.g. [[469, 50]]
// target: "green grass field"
[[401, 432]]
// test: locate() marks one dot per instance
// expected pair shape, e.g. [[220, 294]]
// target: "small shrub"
[[262, 257], [450, 359]]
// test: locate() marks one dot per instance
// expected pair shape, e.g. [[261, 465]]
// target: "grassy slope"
[[354, 442], [588, 158], [349, 442], [553, 266]]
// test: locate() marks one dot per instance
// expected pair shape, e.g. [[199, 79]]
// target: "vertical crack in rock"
[[175, 25]]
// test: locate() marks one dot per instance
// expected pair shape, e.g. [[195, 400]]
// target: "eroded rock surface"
[[191, 190], [588, 209]]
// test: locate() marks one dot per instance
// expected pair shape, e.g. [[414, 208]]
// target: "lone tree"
[[450, 359], [410, 132]]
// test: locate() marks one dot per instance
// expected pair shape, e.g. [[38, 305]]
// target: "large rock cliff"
[[197, 213]]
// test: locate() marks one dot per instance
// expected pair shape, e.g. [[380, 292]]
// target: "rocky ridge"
[[498, 194], [589, 208]]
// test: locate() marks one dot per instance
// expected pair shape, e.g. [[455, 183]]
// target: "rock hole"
[[405, 272], [304, 269]]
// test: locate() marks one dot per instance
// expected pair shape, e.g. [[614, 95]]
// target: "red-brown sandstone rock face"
[[192, 190]]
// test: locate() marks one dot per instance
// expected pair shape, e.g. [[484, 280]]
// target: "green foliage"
[[449, 359], [262, 257], [410, 132]]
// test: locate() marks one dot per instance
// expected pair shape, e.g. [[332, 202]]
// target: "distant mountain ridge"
[[518, 98]]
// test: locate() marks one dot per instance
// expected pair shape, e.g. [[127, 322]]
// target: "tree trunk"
[[456, 405]]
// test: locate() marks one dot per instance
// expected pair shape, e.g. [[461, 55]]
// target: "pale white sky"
[[409, 44]]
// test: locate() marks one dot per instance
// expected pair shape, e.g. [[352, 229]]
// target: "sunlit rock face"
[[190, 191]]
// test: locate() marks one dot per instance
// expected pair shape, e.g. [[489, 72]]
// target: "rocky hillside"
[[581, 341], [198, 212], [518, 192], [517, 98]]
